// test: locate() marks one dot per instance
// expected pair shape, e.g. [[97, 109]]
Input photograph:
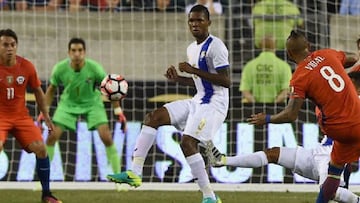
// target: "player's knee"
[[272, 154], [189, 145], [157, 118], [105, 135], [39, 149]]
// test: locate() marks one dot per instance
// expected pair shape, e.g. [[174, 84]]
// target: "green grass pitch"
[[108, 196]]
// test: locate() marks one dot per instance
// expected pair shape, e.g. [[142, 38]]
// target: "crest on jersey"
[[202, 55], [10, 79], [20, 80]]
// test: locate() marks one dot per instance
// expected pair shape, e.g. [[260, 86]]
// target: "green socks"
[[113, 158], [50, 151]]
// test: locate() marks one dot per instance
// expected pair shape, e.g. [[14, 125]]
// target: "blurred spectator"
[[4, 5], [213, 7], [350, 7], [163, 6], [38, 5], [275, 18], [266, 78], [93, 5]]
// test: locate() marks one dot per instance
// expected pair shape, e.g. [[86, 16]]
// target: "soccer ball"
[[114, 87]]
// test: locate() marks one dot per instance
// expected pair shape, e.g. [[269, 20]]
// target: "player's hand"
[[257, 119], [122, 120], [186, 67], [171, 73], [49, 124], [39, 121]]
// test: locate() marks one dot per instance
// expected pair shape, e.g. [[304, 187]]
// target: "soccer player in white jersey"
[[199, 117]]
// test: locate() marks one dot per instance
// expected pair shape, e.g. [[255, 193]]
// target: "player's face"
[[8, 48], [198, 25], [77, 55]]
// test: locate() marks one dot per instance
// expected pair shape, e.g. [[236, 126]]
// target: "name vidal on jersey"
[[315, 62]]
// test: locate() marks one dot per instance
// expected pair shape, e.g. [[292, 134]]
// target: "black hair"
[[9, 33], [201, 8], [296, 34], [76, 40], [357, 43]]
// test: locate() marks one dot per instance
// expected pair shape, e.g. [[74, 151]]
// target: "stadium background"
[[140, 45]]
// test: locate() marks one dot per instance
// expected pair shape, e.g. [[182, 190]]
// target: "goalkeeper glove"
[[122, 119]]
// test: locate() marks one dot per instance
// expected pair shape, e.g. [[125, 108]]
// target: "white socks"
[[345, 195], [252, 160], [143, 143], [197, 166]]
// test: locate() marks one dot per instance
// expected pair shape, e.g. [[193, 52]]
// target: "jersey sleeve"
[[100, 73], [220, 55], [54, 78], [34, 80], [298, 85]]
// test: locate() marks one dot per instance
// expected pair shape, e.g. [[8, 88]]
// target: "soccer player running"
[[320, 76], [199, 117], [80, 76], [16, 74]]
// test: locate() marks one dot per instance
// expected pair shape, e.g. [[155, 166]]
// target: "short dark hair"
[[296, 34], [357, 43], [9, 33], [201, 8], [76, 40]]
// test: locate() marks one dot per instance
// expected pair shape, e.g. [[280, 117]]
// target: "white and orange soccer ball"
[[114, 87]]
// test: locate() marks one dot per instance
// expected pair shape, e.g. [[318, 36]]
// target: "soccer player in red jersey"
[[16, 73], [320, 76]]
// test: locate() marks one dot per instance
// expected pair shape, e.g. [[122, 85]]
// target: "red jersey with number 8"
[[321, 77], [13, 83]]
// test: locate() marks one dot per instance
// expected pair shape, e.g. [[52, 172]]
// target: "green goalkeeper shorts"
[[94, 116]]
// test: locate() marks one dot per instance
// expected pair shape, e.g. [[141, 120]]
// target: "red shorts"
[[22, 128], [346, 147]]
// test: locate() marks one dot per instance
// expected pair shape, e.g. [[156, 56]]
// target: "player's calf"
[[331, 184]]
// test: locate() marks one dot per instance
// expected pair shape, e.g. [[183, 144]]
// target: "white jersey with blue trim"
[[210, 55]]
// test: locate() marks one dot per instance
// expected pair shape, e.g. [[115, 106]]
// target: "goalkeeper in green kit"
[[81, 98]]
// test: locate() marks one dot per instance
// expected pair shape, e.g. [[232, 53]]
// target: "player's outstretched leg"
[[210, 200], [127, 177]]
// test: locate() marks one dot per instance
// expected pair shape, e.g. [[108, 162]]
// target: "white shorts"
[[201, 121]]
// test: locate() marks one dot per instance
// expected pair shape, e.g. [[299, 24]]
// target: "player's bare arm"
[[172, 75], [289, 114], [49, 95], [41, 102], [221, 78], [248, 96], [350, 59]]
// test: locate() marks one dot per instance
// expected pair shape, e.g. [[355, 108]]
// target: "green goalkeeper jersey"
[[80, 88]]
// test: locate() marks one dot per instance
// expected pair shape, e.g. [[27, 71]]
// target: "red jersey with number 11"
[[13, 83], [321, 78]]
